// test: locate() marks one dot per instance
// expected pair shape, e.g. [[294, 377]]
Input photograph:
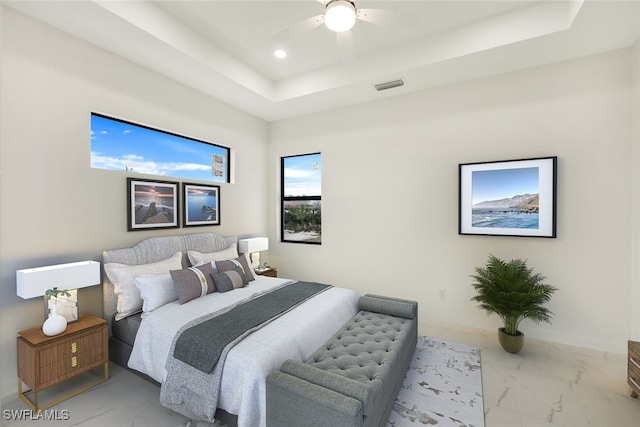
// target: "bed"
[[145, 340]]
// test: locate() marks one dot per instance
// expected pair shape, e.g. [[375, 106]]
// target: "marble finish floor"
[[546, 384]]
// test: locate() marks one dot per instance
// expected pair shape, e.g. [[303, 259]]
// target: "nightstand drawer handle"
[[632, 360], [74, 347], [634, 383], [74, 361]]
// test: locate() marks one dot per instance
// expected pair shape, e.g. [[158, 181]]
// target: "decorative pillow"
[[156, 290], [241, 261], [193, 282], [197, 258], [124, 285], [229, 280]]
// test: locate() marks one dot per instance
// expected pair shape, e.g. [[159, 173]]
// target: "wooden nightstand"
[[46, 361], [271, 272], [633, 366]]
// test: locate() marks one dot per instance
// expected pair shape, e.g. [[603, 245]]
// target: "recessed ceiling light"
[[280, 53]]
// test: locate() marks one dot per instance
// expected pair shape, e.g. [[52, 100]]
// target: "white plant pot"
[[55, 324]]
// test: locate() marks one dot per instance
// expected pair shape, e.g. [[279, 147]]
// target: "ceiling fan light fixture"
[[340, 15]]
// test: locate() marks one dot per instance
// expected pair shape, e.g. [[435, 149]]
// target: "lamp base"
[[255, 260]]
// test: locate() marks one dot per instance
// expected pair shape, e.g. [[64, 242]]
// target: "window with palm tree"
[[302, 198]]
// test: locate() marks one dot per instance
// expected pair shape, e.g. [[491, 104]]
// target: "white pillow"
[[156, 290], [197, 258], [123, 278]]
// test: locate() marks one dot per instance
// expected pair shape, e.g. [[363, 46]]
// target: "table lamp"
[[253, 247], [34, 282]]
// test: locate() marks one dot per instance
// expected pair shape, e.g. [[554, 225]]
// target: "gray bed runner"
[[202, 344], [193, 392]]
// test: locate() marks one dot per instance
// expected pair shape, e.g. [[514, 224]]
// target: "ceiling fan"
[[340, 16]]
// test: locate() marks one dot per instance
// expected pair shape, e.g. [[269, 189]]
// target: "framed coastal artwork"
[[508, 198], [201, 205], [152, 204]]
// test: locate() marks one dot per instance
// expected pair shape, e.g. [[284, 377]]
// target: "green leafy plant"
[[512, 291], [55, 292]]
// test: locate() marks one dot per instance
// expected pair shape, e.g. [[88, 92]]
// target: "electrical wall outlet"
[[442, 294]]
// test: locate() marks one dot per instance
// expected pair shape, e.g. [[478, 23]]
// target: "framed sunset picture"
[[508, 198], [152, 204]]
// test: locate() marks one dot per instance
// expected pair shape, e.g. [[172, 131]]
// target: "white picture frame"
[[508, 198]]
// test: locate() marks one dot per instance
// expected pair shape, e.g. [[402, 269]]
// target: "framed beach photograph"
[[152, 204], [201, 205], [508, 198]]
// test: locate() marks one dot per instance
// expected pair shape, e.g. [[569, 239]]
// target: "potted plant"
[[55, 324], [514, 292]]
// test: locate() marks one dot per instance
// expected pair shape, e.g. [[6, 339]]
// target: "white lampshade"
[[340, 15], [34, 282], [256, 244]]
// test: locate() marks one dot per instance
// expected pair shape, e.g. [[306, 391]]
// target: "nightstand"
[[633, 367], [46, 361], [270, 271]]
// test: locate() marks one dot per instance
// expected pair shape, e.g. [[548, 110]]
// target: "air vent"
[[389, 85]]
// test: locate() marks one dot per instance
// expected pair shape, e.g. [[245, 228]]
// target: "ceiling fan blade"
[[388, 18], [345, 46], [299, 28]]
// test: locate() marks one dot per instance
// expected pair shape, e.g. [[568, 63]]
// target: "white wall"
[[54, 207], [389, 181], [390, 194], [635, 196]]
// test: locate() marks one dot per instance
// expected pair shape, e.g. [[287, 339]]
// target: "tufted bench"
[[354, 378]]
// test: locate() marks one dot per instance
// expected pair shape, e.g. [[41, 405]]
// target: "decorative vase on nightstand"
[[55, 324]]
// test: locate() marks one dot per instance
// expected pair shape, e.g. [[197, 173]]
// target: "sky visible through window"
[[123, 146], [302, 175]]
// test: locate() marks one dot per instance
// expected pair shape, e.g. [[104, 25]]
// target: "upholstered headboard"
[[157, 249]]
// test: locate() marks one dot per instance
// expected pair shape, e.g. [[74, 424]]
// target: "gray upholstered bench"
[[354, 378]]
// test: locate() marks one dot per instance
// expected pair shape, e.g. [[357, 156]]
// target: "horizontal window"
[[124, 146]]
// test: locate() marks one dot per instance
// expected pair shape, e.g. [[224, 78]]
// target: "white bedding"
[[295, 335]]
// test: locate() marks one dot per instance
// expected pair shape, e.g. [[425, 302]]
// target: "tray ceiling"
[[225, 48]]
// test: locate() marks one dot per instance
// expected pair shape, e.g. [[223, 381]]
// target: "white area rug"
[[443, 387]]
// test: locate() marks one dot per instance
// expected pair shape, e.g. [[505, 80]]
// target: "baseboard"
[[492, 323]]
